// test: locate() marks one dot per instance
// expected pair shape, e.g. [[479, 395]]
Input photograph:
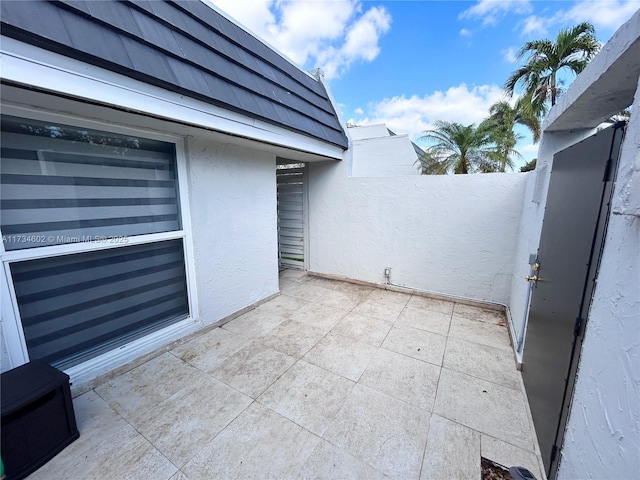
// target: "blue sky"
[[409, 63]]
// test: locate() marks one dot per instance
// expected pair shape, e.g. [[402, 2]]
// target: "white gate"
[[290, 178]]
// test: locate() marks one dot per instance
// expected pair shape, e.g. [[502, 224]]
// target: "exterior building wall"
[[602, 438], [368, 131], [232, 249], [234, 225], [450, 234], [388, 156]]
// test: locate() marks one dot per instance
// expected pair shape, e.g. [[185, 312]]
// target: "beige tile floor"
[[330, 380]]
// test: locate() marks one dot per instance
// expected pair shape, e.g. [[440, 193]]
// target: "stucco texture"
[[234, 223], [452, 234]]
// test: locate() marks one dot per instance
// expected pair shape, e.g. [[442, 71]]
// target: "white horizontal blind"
[[65, 185], [290, 179], [69, 185], [74, 307]]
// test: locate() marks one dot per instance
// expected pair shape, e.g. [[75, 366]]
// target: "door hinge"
[[607, 170], [578, 328]]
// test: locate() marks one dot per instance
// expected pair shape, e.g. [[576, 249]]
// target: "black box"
[[37, 417]]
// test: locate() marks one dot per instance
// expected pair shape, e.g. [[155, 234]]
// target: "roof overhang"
[[605, 87], [28, 71]]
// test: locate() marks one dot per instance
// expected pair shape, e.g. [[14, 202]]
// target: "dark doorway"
[[572, 238]]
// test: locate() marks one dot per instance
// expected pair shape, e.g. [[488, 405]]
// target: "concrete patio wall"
[[453, 234], [233, 214]]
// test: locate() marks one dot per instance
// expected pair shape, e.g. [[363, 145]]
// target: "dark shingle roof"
[[182, 46]]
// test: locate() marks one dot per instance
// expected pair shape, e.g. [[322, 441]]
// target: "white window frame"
[[12, 330]]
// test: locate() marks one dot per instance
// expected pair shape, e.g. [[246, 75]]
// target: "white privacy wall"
[[234, 225], [451, 234], [384, 157]]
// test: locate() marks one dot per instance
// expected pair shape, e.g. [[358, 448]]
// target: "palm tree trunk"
[[553, 89]]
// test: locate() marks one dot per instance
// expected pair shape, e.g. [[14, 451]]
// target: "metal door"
[[290, 178], [572, 237]]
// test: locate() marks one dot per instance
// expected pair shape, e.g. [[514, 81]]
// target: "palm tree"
[[573, 50], [500, 124], [457, 149]]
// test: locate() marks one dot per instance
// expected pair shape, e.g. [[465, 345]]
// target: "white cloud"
[[533, 25], [358, 111], [491, 11], [413, 115], [326, 34], [605, 15], [465, 33], [609, 14], [510, 54], [361, 43]]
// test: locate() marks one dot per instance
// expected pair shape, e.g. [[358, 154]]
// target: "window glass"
[[74, 307], [63, 184]]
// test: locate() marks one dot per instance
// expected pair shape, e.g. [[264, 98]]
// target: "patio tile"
[[424, 319], [124, 453], [304, 291], [294, 275], [254, 324], [383, 309], [319, 316], [252, 369], [363, 328], [426, 346], [210, 406], [179, 476], [480, 332], [429, 303], [509, 456], [207, 351], [402, 377], [259, 443], [362, 292], [489, 363], [322, 282], [484, 406], [293, 338], [382, 431], [134, 393], [390, 296], [340, 300], [308, 395], [453, 451], [282, 305], [479, 314], [341, 355], [330, 463], [95, 417]]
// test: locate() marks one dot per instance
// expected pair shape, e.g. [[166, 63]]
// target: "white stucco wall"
[[452, 234], [384, 157], [602, 438], [368, 131], [233, 215]]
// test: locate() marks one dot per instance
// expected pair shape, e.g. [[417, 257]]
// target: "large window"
[[92, 221]]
